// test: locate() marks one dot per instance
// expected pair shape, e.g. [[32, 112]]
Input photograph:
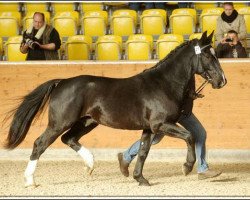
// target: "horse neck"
[[177, 72]]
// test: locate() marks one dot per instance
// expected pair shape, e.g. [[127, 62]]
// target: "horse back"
[[124, 103]]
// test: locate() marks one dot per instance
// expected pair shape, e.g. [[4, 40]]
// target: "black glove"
[[195, 95], [199, 95]]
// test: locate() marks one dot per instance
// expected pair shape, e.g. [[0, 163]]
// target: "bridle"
[[208, 78]]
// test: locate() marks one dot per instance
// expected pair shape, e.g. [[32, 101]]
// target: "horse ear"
[[210, 37], [203, 38]]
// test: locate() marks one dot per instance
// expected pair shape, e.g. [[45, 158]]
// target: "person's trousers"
[[193, 125]]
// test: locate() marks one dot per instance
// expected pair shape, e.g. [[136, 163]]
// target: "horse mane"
[[170, 55]]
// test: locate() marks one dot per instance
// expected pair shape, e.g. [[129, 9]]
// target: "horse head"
[[206, 63]]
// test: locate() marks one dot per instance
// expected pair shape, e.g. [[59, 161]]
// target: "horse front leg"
[[173, 130], [142, 155]]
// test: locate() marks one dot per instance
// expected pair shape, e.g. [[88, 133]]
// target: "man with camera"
[[230, 19], [40, 41], [231, 47]]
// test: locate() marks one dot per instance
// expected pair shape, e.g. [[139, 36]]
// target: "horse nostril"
[[223, 83]]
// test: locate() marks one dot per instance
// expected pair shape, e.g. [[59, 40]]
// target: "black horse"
[[150, 101]]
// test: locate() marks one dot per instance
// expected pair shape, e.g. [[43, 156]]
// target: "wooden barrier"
[[224, 112]]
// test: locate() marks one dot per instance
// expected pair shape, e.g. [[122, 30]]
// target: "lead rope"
[[201, 87]]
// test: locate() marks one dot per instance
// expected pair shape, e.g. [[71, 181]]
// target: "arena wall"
[[224, 112]]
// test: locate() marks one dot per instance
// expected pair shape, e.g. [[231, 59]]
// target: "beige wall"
[[224, 113]]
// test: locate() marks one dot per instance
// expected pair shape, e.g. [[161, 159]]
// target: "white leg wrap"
[[87, 157], [29, 172]]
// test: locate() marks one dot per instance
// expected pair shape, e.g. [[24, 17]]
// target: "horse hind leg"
[[72, 136], [142, 155], [40, 145]]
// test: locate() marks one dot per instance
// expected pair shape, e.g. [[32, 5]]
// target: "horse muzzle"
[[223, 83], [220, 84]]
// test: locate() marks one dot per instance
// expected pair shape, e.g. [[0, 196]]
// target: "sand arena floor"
[[68, 178]]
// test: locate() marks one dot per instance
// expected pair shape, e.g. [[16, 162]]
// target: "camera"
[[229, 40], [30, 41], [32, 44]]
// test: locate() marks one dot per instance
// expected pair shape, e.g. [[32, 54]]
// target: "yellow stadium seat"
[[109, 47], [195, 35], [183, 21], [89, 6], [166, 43], [28, 19], [245, 11], [61, 51], [9, 24], [1, 47], [123, 22], [78, 47], [62, 7], [94, 23], [35, 7], [66, 23], [12, 49], [9, 6], [186, 11], [238, 5], [208, 19], [112, 6], [14, 14], [198, 36], [153, 21], [199, 6], [139, 47], [115, 5], [172, 3]]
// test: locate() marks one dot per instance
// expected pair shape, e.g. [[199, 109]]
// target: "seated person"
[[231, 47], [230, 19]]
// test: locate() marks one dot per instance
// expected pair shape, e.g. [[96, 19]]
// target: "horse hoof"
[[31, 186], [89, 170], [186, 169], [144, 184], [30, 182]]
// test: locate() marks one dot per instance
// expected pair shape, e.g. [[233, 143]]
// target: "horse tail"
[[27, 111]]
